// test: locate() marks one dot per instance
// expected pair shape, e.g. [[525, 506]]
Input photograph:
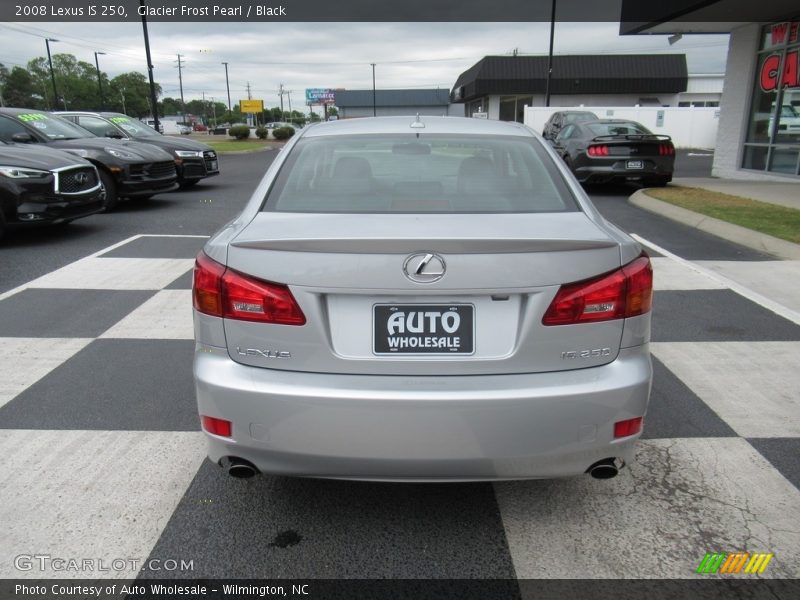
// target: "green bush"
[[262, 132], [283, 133], [240, 132]]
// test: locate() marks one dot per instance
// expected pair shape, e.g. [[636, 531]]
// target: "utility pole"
[[249, 97], [280, 93], [289, 96], [214, 110], [122, 97], [99, 80], [180, 84], [550, 55], [153, 100], [227, 86], [52, 74], [205, 119], [374, 103]]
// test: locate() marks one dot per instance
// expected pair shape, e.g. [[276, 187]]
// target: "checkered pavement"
[[103, 458]]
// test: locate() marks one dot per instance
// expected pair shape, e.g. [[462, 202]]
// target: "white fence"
[[689, 127]]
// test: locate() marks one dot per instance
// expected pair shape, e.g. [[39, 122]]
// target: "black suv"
[[126, 169], [41, 186], [195, 160]]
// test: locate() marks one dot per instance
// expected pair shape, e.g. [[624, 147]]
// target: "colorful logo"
[[734, 562]]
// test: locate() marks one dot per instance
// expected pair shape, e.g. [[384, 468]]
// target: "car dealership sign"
[[774, 71], [320, 96]]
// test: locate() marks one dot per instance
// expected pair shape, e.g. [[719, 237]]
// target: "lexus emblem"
[[81, 177], [424, 267]]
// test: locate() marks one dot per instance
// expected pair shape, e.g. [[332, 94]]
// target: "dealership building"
[[387, 103], [759, 125]]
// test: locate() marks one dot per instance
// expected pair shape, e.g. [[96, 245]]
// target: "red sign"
[[771, 70]]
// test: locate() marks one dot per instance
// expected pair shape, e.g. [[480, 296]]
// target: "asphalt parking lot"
[[103, 455]]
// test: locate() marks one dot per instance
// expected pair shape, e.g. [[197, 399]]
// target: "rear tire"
[[656, 182], [110, 197]]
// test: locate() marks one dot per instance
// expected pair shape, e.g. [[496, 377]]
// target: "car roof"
[[390, 125]]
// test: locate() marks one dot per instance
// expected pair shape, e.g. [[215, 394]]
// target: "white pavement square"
[[24, 361], [669, 274], [681, 499], [116, 274], [779, 280], [167, 315], [753, 386], [90, 494]]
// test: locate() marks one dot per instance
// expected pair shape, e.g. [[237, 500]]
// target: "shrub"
[[262, 132], [240, 132], [283, 133]]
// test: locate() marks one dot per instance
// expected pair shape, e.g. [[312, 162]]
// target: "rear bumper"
[[601, 170], [422, 428]]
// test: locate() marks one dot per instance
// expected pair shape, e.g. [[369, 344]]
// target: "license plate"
[[423, 329], [634, 164], [213, 165]]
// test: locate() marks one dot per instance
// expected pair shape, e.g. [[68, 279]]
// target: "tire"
[[110, 197], [657, 182]]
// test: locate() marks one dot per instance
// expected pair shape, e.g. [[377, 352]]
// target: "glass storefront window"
[[773, 131]]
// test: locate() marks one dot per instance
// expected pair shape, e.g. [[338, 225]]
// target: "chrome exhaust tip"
[[239, 467], [606, 468]]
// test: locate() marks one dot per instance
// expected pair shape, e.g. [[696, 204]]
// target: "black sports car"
[[126, 169], [43, 186], [560, 119], [606, 150], [194, 160]]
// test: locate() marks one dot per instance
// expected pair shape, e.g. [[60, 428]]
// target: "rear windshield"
[[579, 117], [618, 129], [429, 174]]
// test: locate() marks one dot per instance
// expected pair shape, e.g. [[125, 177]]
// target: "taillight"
[[598, 150], [222, 292], [217, 426], [666, 150], [627, 427], [627, 292]]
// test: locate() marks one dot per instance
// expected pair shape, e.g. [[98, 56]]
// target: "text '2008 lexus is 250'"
[[421, 299]]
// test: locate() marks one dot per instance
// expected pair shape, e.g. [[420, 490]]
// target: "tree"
[[130, 93], [18, 89], [76, 81]]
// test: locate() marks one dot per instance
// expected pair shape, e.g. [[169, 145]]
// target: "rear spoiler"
[[649, 137]]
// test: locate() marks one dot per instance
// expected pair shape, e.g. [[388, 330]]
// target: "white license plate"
[[423, 329], [634, 164], [214, 165]]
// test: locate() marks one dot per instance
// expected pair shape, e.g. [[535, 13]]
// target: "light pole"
[[52, 74], [374, 104], [550, 55], [99, 80], [153, 97], [227, 86]]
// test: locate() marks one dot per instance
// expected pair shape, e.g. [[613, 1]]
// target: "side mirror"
[[22, 138]]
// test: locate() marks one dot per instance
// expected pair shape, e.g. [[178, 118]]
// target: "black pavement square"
[[184, 282], [158, 247], [716, 316], [783, 454], [130, 385], [65, 312], [675, 411], [283, 527]]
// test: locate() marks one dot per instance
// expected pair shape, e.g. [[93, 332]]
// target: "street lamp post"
[[52, 73], [374, 104], [99, 80], [550, 55], [227, 86]]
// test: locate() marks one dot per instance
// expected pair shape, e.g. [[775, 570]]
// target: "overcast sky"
[[336, 55]]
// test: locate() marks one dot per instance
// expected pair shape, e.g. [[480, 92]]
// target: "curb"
[[235, 152], [728, 231]]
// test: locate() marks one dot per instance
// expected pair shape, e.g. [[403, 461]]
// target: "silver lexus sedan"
[[421, 299]]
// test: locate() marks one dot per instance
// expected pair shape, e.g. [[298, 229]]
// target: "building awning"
[[411, 98], [576, 74]]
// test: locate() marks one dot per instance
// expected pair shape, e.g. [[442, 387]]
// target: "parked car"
[[194, 160], [421, 300], [40, 186], [608, 150], [127, 169], [560, 119]]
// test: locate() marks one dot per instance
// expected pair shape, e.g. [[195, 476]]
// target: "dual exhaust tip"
[[240, 468]]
